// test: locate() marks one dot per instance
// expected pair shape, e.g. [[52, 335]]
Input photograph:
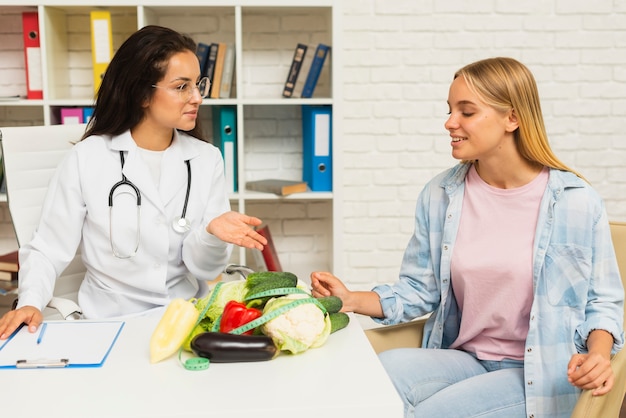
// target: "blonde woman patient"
[[512, 257]]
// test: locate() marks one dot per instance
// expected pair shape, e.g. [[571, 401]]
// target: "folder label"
[[101, 41], [35, 77], [101, 45], [322, 139]]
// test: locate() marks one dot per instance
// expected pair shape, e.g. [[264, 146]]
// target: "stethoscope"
[[180, 224]]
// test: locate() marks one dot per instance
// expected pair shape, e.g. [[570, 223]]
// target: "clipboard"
[[72, 344]]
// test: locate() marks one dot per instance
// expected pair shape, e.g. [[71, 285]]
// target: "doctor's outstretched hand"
[[10, 321], [237, 228]]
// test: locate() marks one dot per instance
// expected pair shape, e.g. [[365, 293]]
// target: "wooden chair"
[[410, 335], [30, 155]]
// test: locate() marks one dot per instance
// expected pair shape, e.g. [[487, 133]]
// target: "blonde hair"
[[505, 84]]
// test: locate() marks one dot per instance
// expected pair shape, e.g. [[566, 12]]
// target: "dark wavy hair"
[[139, 63]]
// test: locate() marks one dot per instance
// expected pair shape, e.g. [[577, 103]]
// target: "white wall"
[[399, 57]]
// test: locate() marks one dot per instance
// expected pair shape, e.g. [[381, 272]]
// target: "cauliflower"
[[298, 329]]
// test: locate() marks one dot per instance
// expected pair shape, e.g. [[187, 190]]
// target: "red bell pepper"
[[237, 314]]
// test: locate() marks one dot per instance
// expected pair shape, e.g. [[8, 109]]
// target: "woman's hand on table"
[[10, 321]]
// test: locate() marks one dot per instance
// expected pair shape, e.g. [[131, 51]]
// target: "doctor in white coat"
[[142, 194]]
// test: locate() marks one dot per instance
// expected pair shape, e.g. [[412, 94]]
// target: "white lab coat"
[[76, 213]]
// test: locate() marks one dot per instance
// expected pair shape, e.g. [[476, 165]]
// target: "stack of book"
[[304, 72], [217, 62]]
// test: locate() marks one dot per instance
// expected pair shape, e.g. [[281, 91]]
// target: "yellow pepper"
[[173, 329]]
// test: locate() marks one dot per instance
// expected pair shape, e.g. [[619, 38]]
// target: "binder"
[[101, 45], [321, 53], [270, 255], [202, 52], [216, 83], [71, 115], [225, 138], [305, 66], [228, 72], [32, 55], [316, 147], [87, 113], [210, 63], [294, 70], [60, 344]]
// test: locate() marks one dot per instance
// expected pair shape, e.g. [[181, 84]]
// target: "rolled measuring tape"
[[198, 363]]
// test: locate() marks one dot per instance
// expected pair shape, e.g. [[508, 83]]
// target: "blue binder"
[[321, 52], [225, 138], [87, 113], [317, 147]]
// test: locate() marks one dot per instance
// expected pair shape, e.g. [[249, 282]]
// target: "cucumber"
[[338, 320], [219, 347], [267, 280], [331, 303]]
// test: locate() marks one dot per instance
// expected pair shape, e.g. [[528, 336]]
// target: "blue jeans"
[[452, 383]]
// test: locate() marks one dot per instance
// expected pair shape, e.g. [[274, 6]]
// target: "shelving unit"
[[269, 130]]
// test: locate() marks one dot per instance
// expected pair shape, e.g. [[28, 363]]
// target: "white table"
[[343, 378]]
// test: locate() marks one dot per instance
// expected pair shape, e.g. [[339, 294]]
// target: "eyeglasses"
[[185, 90]]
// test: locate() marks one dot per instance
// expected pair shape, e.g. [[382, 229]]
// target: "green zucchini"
[[338, 320], [267, 280], [331, 303]]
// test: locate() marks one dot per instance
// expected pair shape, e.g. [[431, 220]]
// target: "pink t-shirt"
[[492, 266]]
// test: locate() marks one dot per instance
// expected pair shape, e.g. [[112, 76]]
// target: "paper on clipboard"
[[64, 344]]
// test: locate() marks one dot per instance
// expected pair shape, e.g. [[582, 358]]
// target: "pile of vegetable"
[[248, 320]]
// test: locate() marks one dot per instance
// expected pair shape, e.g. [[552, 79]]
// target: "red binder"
[[32, 55], [270, 255]]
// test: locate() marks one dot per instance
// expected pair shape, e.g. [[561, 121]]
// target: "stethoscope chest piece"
[[181, 225]]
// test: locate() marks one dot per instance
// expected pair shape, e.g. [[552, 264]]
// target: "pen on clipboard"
[[43, 330]]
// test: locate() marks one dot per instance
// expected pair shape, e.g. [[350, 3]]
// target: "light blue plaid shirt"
[[577, 286]]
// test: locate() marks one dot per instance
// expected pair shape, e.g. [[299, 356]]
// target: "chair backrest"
[[30, 155], [609, 405], [618, 233]]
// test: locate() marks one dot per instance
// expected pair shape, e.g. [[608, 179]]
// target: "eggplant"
[[221, 347]]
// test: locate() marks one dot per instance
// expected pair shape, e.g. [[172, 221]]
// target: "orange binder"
[[101, 45], [32, 55]]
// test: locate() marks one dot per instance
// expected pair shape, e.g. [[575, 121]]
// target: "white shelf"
[[269, 129]]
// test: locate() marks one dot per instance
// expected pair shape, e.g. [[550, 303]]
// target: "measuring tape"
[[281, 291], [279, 311], [201, 363]]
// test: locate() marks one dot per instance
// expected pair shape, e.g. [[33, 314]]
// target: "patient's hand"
[[10, 321]]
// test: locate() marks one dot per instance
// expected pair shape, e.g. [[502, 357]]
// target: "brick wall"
[[399, 58]]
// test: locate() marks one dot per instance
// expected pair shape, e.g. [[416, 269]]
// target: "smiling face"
[[478, 131], [168, 110]]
